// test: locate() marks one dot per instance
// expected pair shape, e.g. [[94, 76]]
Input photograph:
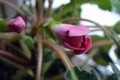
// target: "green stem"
[[74, 7], [75, 77], [25, 48]]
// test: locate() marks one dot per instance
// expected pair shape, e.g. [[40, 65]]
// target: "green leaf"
[[103, 4], [48, 25], [35, 40], [8, 37], [102, 57], [28, 41], [48, 31], [115, 35], [47, 56], [111, 77], [116, 71], [116, 5], [55, 68], [77, 12], [96, 38], [3, 25], [45, 67], [50, 22], [25, 49], [82, 74], [22, 73], [64, 10], [117, 52], [26, 9], [116, 27]]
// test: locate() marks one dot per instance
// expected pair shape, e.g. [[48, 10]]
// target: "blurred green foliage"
[[82, 74], [53, 68]]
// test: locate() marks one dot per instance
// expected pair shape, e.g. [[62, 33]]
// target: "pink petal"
[[71, 36], [59, 28], [71, 47], [78, 30], [16, 25], [88, 46]]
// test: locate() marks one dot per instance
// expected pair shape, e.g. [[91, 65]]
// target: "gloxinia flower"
[[73, 37], [16, 25]]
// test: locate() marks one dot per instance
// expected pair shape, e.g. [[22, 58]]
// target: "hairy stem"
[[40, 12], [63, 57], [60, 52], [34, 13], [90, 55], [101, 43], [14, 8], [40, 55], [48, 13], [10, 62], [13, 57], [18, 51]]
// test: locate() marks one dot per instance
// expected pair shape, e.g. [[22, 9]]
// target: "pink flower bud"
[[73, 37], [16, 25]]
